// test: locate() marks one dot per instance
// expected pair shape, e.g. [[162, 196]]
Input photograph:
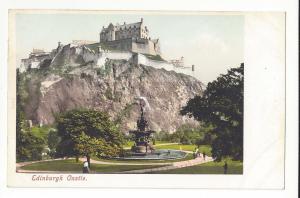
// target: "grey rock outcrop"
[[113, 89]]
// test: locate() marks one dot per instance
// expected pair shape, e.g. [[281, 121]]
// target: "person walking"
[[197, 152], [225, 167], [85, 168]]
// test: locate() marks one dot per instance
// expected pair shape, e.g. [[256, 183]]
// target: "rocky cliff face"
[[113, 89]]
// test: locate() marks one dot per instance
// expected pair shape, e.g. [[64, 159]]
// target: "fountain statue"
[[142, 135]]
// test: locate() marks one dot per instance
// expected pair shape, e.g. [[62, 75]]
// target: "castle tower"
[[130, 37], [111, 32]]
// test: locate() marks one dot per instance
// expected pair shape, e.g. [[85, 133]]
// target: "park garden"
[[215, 146]]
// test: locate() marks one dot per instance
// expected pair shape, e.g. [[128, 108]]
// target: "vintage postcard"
[[101, 97]]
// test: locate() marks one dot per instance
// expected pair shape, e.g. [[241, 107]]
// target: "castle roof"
[[118, 27], [128, 26]]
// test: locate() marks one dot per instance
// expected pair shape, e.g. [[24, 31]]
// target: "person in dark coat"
[[85, 168], [225, 168]]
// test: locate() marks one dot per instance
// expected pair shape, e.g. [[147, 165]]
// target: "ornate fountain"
[[142, 148], [142, 136]]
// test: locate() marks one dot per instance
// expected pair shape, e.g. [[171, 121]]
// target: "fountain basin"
[[159, 154]]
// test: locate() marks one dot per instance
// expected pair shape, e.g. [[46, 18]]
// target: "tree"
[[221, 105], [52, 140], [19, 118], [86, 133], [30, 147]]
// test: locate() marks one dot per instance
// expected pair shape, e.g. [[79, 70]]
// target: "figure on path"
[[85, 168], [225, 168], [204, 155]]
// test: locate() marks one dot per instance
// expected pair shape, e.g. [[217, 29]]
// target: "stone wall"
[[141, 59], [115, 55], [33, 61], [144, 47], [25, 63], [122, 45], [185, 70]]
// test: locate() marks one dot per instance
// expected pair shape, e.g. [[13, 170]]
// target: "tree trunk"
[[88, 159], [77, 158]]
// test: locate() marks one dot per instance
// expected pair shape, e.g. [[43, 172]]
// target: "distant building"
[[178, 62], [132, 37], [36, 57]]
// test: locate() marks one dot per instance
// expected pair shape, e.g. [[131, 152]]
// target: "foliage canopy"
[[88, 132], [221, 105]]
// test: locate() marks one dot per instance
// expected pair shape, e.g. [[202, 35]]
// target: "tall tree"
[[221, 105], [30, 147], [52, 141], [86, 133]]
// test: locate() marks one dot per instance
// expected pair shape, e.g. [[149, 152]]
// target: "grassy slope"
[[234, 167], [71, 165], [154, 57], [41, 131]]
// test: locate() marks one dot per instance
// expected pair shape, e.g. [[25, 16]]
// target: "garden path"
[[175, 165]]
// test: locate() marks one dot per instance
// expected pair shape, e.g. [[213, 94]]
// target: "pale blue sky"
[[213, 43]]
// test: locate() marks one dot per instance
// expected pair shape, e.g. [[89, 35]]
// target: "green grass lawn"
[[162, 142], [41, 131], [72, 166], [129, 144], [234, 167]]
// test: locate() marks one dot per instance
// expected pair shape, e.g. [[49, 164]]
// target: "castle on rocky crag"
[[130, 42], [132, 37]]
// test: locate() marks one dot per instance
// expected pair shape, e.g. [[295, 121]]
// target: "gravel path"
[[169, 165], [175, 165]]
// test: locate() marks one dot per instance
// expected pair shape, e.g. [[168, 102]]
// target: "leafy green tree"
[[221, 105], [30, 147], [86, 133], [19, 117], [187, 134], [162, 136], [52, 140]]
